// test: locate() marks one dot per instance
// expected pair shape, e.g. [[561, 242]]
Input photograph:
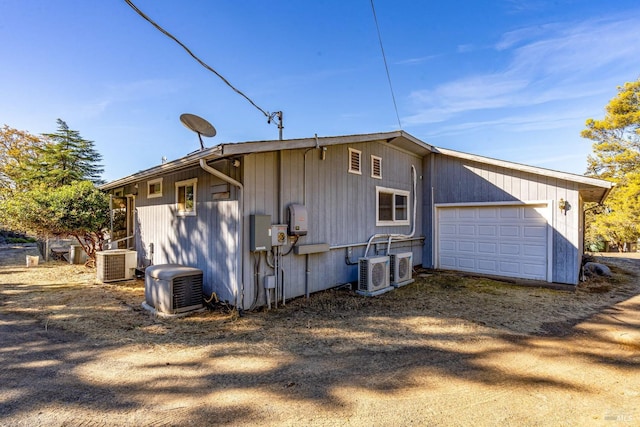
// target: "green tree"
[[616, 147], [616, 156], [18, 151], [79, 210], [619, 220], [67, 157]]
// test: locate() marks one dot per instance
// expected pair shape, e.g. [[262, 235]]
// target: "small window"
[[354, 161], [376, 167], [186, 197], [154, 188], [392, 207]]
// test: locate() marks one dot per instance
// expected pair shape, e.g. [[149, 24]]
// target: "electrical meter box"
[[297, 220], [278, 234], [260, 227]]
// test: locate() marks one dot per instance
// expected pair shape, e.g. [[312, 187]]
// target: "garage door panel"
[[487, 230], [466, 263], [534, 250], [499, 240], [509, 249], [466, 230], [509, 267], [487, 266], [467, 247], [509, 231], [488, 213], [509, 212], [534, 269], [538, 231], [487, 248]]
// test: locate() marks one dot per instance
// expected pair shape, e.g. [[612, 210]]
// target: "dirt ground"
[[445, 350]]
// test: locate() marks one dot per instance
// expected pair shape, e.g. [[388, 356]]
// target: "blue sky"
[[509, 79]]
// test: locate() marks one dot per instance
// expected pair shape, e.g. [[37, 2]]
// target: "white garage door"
[[497, 240]]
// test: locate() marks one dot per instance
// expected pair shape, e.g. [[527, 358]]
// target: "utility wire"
[[386, 67], [200, 61]]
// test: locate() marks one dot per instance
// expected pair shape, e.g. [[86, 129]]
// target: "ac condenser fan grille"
[[187, 291], [378, 275], [403, 267]]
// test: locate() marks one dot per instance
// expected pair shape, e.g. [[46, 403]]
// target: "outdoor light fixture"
[[562, 204]]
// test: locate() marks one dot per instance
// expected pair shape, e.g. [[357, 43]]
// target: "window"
[[186, 197], [376, 167], [154, 188], [392, 207], [354, 161]]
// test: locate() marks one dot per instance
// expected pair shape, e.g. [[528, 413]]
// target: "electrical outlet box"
[[278, 234], [260, 229]]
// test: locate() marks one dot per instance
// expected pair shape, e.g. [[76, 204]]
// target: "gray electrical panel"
[[297, 220], [260, 230]]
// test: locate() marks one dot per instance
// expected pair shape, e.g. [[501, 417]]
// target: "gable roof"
[[399, 139], [591, 189]]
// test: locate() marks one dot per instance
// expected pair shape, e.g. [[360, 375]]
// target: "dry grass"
[[67, 297]]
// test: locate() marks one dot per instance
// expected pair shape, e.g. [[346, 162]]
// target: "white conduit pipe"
[[391, 237], [240, 270]]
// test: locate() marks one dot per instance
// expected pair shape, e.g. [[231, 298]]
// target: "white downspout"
[[238, 184]]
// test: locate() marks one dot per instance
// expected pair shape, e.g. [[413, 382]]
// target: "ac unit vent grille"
[[187, 291], [114, 267]]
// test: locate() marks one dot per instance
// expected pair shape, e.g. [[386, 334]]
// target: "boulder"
[[596, 269]]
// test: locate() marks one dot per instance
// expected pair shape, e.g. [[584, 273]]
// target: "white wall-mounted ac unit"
[[401, 268], [373, 275], [116, 264], [173, 288]]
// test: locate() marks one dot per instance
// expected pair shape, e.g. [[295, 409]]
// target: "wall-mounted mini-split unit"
[[373, 276], [173, 288], [401, 268], [116, 264]]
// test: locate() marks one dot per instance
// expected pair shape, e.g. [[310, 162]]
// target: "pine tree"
[[66, 158]]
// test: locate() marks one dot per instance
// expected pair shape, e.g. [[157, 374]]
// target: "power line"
[[269, 116], [386, 67]]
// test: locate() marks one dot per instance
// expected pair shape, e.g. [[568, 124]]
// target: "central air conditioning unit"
[[373, 276], [401, 268], [173, 288], [116, 265]]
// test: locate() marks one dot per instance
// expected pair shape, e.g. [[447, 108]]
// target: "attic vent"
[[376, 167], [354, 161]]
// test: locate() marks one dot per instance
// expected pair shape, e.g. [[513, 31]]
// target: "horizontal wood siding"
[[340, 205], [207, 241], [462, 181]]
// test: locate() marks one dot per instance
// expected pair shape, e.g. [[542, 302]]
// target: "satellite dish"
[[198, 125]]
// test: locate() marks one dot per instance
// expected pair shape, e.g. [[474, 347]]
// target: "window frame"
[[373, 162], [193, 182], [394, 192], [151, 182], [352, 152]]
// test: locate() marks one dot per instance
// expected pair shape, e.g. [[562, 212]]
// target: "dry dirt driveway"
[[437, 352]]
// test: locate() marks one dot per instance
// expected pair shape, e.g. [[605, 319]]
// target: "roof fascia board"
[[595, 182], [172, 166]]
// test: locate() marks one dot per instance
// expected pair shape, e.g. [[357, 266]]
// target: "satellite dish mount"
[[199, 126]]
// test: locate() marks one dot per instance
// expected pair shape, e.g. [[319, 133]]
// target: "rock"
[[597, 269]]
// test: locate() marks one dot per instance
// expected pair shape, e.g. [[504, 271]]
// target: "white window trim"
[[353, 151], [373, 161], [394, 192], [185, 183], [149, 184]]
